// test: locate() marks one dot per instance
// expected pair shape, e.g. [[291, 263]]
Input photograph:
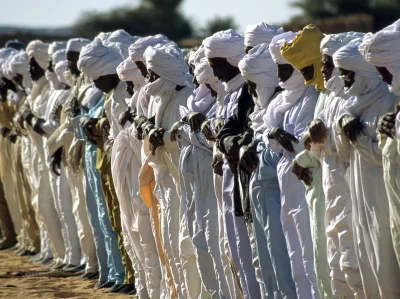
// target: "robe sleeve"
[[369, 150]]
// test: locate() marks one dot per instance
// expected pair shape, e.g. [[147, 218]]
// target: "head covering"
[[19, 64], [39, 50], [225, 44], [4, 54], [98, 60], [104, 35], [7, 73], [136, 50], [58, 56], [59, 69], [128, 71], [167, 62], [260, 34], [276, 43], [15, 44], [55, 46], [332, 42], [122, 40], [76, 44], [204, 73], [304, 50]]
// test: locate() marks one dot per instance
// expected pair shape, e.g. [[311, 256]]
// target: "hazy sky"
[[56, 13]]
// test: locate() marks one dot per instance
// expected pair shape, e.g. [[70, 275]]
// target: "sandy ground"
[[41, 287]]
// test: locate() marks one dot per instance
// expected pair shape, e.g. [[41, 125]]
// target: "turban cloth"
[[58, 56], [104, 35], [304, 50], [260, 34], [349, 58], [7, 69], [122, 40], [98, 60], [59, 69], [137, 49], [19, 64], [15, 44], [76, 44], [55, 46], [4, 54], [204, 73], [128, 71], [332, 42], [39, 50], [168, 63], [276, 43], [225, 44]]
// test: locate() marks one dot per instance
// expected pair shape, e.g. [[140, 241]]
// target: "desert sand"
[[43, 287]]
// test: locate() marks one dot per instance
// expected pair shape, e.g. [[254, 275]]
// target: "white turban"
[[39, 50], [225, 44], [76, 44], [4, 54], [19, 63], [128, 71], [349, 58], [204, 73], [136, 50], [276, 43], [59, 69], [55, 46], [98, 60], [104, 35], [332, 42], [167, 62], [121, 36], [260, 34], [58, 56], [7, 72]]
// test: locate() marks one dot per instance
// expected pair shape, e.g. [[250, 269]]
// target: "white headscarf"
[[225, 44], [197, 56], [382, 49], [4, 54], [58, 56], [76, 44], [122, 40], [59, 69], [276, 43], [204, 73], [19, 64], [128, 71], [39, 50], [55, 46], [98, 60], [258, 67], [137, 49], [260, 34]]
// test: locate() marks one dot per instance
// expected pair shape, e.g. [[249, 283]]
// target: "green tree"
[[218, 24]]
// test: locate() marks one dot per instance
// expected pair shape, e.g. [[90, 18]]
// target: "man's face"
[[386, 76], [35, 70], [72, 58], [327, 67], [252, 88], [308, 72], [104, 83], [347, 76], [221, 68], [129, 87], [285, 71], [152, 76], [142, 68], [213, 92]]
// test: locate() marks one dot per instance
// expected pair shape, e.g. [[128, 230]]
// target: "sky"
[[55, 13]]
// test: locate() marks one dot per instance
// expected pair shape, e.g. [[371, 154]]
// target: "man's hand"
[[139, 121], [317, 130], [217, 163], [12, 137], [206, 130], [218, 124], [195, 120], [351, 127], [284, 138], [87, 124], [55, 164], [156, 139], [125, 116], [248, 157], [175, 131], [57, 111], [37, 126], [4, 131], [387, 124], [303, 174]]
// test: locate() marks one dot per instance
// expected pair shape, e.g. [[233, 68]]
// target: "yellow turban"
[[304, 50]]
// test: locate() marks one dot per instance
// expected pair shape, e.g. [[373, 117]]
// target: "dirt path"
[[41, 287]]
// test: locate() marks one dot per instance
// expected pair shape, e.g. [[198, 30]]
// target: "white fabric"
[[276, 43], [19, 64], [205, 75], [4, 54], [225, 44], [333, 42], [58, 56], [137, 49], [98, 60], [56, 46], [39, 50], [128, 71], [260, 34], [76, 44], [60, 69]]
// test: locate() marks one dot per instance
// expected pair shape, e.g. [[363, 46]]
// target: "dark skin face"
[[247, 49], [213, 92], [72, 58], [152, 76], [327, 67], [222, 69], [386, 76], [285, 71], [129, 87], [107, 83], [4, 87], [308, 72], [347, 77], [142, 68], [252, 87], [50, 67], [18, 80], [35, 70]]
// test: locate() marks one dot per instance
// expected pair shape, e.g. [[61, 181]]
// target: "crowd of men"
[[263, 165]]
